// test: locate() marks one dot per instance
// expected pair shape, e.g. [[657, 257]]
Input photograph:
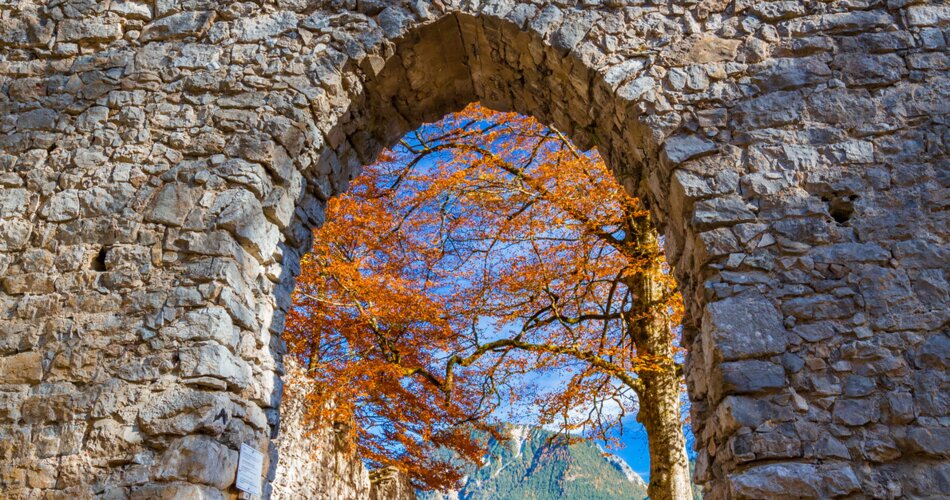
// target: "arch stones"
[[162, 165]]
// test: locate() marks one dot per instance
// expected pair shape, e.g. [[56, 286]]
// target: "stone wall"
[[162, 165], [314, 463], [390, 484]]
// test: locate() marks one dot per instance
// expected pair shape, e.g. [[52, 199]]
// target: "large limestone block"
[[742, 327], [199, 459]]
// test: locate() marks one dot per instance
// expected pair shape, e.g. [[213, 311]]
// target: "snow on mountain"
[[519, 434], [621, 465]]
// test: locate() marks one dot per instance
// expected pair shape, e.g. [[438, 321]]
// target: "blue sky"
[[636, 451]]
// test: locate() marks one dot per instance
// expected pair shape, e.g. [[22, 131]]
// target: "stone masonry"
[[314, 462], [163, 162]]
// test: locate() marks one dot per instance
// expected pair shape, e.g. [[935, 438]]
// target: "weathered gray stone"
[[899, 408], [772, 109], [930, 61], [768, 444], [215, 360], [856, 411], [251, 175], [742, 327], [279, 206], [685, 147], [805, 480], [878, 42], [198, 56], [38, 119], [235, 306], [931, 441], [839, 480], [772, 480], [261, 27], [185, 411], [822, 306], [26, 31], [132, 9], [840, 22], [171, 205], [864, 69], [857, 386], [13, 202], [734, 412], [749, 376], [928, 15], [935, 352], [392, 20], [62, 206], [15, 235], [791, 73], [88, 30], [181, 25], [777, 10], [721, 212], [842, 105], [635, 89], [624, 71], [155, 155], [199, 459], [239, 211], [571, 32], [210, 323], [547, 20], [851, 252]]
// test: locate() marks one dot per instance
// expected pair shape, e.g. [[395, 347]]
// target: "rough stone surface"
[[743, 327], [162, 165], [199, 459], [389, 484], [314, 463]]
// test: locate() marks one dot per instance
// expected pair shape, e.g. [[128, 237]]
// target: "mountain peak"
[[628, 472], [537, 464]]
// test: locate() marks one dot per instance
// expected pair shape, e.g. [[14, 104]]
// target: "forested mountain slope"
[[538, 465]]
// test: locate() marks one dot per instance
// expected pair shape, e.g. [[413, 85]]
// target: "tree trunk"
[[652, 337], [660, 415]]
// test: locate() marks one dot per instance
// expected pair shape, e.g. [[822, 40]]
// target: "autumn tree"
[[482, 249]]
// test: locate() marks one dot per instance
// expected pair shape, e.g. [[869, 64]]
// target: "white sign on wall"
[[250, 469]]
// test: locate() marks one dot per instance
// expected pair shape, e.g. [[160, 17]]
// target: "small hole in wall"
[[840, 207], [99, 261]]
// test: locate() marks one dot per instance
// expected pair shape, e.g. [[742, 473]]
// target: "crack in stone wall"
[[162, 165]]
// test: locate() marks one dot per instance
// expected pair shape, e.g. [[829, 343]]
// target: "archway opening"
[[485, 272], [441, 67]]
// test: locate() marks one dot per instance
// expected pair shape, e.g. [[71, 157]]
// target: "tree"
[[481, 250]]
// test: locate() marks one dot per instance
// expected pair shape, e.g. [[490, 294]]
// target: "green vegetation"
[[539, 465]]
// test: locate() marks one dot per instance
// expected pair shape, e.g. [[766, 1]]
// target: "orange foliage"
[[483, 248]]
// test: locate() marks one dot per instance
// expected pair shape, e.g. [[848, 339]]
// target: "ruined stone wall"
[[162, 165], [389, 484], [314, 464], [317, 463]]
